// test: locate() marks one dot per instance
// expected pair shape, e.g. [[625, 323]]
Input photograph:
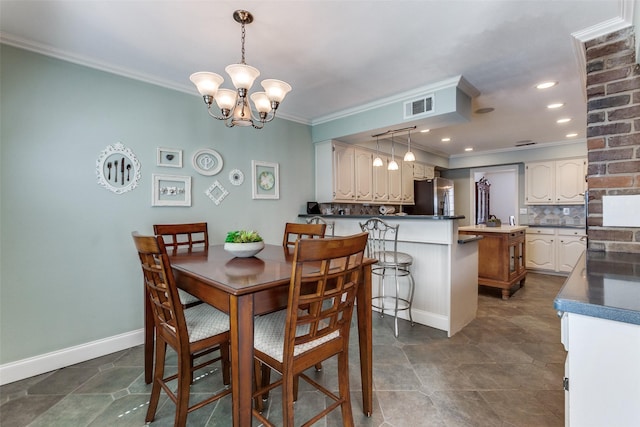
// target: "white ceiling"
[[341, 55]]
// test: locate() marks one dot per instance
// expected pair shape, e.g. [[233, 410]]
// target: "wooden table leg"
[[241, 323], [366, 340]]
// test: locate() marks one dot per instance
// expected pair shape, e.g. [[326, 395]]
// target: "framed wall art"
[[207, 162], [118, 169], [265, 183], [169, 157], [171, 190]]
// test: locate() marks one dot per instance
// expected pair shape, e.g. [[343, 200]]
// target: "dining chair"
[[294, 231], [192, 333], [314, 327], [331, 225], [190, 237], [383, 246]]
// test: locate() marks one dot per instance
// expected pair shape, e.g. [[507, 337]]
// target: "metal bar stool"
[[383, 246]]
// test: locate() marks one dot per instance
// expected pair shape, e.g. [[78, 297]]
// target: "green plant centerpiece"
[[243, 243], [493, 222]]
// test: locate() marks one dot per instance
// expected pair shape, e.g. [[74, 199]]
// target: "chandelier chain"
[[243, 34]]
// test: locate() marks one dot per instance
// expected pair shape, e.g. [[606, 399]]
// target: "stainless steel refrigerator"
[[432, 197]]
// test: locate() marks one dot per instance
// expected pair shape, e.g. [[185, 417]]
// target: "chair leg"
[[287, 398], [185, 376], [343, 387], [395, 312], [149, 332], [226, 363], [412, 286], [161, 348]]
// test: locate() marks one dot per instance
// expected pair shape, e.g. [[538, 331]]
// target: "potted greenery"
[[493, 221], [243, 243]]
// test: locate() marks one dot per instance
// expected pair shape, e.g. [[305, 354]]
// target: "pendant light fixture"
[[409, 156], [377, 162], [234, 106], [393, 165]]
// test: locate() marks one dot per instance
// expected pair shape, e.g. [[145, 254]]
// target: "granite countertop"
[[481, 228], [604, 285], [393, 217]]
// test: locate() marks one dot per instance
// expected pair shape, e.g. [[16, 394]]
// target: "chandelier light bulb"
[[377, 162], [393, 165], [409, 157]]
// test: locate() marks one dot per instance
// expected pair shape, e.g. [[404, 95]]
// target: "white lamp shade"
[[262, 103], [207, 83], [276, 89], [242, 75], [409, 157], [393, 165], [242, 114], [377, 162], [226, 99]]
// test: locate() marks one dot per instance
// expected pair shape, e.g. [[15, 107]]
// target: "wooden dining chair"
[[314, 327], [331, 225], [192, 333], [294, 231], [189, 238]]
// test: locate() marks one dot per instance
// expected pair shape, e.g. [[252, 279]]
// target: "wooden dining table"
[[246, 287]]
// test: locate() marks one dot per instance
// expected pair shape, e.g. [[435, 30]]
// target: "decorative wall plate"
[[118, 169], [216, 192], [236, 177], [207, 162]]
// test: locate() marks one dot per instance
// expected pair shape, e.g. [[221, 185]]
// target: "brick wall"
[[613, 134]]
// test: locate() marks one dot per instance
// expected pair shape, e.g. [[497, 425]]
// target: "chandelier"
[[393, 165], [234, 104]]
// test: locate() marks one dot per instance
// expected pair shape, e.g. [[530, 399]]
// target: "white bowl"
[[244, 250]]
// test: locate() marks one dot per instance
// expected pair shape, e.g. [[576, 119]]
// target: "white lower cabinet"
[[554, 249], [602, 373]]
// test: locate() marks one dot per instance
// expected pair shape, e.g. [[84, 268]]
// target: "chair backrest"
[[183, 236], [294, 231], [329, 231], [383, 240], [162, 291], [325, 278]]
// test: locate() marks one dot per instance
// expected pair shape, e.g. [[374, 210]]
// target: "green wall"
[[69, 271]]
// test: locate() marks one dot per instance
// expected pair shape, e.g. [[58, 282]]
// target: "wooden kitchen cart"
[[501, 256]]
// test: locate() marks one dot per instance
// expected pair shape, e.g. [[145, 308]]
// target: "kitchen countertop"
[[389, 217], [581, 227], [480, 228], [604, 285]]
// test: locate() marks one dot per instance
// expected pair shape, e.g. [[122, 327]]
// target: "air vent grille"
[[420, 106]]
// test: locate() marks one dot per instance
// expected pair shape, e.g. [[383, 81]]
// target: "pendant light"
[[377, 162], [393, 165], [409, 156]]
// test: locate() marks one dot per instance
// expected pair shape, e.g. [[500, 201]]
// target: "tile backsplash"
[[554, 215]]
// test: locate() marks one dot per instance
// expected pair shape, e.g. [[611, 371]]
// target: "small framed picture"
[[169, 157], [265, 183], [171, 190]]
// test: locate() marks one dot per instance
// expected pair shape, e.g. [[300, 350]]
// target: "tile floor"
[[503, 369]]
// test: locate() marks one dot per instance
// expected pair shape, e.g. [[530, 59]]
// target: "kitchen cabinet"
[[381, 181], [363, 175], [554, 249], [395, 184], [422, 171], [344, 185], [501, 256], [555, 182], [407, 182]]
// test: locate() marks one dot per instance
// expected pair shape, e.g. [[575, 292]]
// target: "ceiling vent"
[[417, 107]]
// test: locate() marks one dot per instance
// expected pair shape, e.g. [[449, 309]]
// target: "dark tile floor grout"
[[503, 369]]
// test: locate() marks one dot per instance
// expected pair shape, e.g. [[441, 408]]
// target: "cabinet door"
[[364, 175], [539, 181], [429, 172], [540, 251], [570, 181], [569, 250], [381, 181], [344, 177], [395, 184], [407, 182], [418, 170], [517, 251]]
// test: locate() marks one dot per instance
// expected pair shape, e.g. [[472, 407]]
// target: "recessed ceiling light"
[[556, 105], [546, 85], [564, 120], [484, 110], [446, 139], [468, 149], [425, 130], [571, 135]]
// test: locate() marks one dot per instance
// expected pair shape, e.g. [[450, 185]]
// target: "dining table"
[[247, 287]]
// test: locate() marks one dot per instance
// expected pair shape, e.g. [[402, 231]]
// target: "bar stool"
[[383, 246], [320, 220]]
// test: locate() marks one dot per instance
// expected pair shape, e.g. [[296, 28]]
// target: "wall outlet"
[[523, 211], [566, 211]]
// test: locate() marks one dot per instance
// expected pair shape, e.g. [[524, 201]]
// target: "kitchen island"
[[445, 266], [599, 305], [501, 256]]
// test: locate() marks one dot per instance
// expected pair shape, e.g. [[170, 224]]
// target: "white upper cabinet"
[[363, 175], [407, 181], [555, 182], [381, 181], [343, 177]]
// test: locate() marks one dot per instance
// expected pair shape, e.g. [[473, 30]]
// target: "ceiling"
[[342, 55]]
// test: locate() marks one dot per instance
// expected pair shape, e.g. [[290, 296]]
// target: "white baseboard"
[[25, 368], [422, 317]]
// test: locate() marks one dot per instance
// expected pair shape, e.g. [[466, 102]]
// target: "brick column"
[[613, 132]]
